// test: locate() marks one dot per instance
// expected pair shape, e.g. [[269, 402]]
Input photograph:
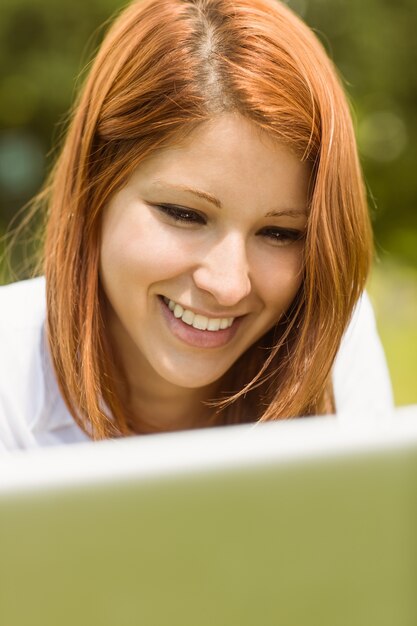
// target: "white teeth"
[[178, 310], [188, 317], [201, 322], [214, 324]]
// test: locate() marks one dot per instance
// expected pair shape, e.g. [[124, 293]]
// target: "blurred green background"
[[45, 46]]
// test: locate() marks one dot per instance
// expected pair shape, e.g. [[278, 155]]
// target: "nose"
[[223, 271]]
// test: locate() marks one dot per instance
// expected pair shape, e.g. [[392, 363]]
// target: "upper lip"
[[216, 315]]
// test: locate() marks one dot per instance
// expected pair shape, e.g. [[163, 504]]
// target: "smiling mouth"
[[197, 321]]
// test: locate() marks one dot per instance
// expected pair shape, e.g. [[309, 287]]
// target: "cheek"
[[281, 279], [143, 250]]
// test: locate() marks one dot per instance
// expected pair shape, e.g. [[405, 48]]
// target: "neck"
[[155, 405], [152, 414], [167, 410]]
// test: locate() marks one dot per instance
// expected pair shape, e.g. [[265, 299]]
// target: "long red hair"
[[164, 67]]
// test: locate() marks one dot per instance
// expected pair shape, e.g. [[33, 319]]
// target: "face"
[[202, 252]]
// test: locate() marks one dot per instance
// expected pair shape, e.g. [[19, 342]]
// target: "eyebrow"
[[197, 192], [285, 212]]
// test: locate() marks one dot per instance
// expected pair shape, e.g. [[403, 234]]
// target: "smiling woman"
[[207, 239], [195, 277]]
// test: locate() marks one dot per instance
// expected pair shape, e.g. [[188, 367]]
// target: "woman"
[[207, 238]]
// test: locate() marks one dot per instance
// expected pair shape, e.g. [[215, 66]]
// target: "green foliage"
[[44, 47], [374, 45]]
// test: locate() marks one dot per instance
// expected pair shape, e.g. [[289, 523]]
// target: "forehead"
[[234, 160]]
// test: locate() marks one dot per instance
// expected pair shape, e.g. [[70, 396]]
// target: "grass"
[[393, 291]]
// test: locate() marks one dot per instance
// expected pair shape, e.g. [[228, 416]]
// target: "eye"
[[181, 214], [282, 236]]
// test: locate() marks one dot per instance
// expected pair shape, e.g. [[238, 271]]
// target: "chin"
[[192, 380]]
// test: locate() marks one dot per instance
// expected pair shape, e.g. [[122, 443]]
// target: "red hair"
[[164, 67]]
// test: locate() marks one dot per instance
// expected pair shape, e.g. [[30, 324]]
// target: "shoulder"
[[363, 319], [361, 337], [22, 304], [22, 315], [32, 411], [361, 379]]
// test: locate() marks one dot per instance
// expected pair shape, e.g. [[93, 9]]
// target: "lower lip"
[[198, 338]]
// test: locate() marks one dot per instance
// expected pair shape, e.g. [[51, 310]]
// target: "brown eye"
[[282, 236], [181, 214]]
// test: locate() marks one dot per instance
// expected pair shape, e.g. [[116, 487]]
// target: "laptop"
[[309, 522]]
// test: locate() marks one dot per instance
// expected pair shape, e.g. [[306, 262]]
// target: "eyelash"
[[179, 214], [283, 236], [279, 236]]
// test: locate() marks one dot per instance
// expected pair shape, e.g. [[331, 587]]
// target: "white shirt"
[[33, 413]]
